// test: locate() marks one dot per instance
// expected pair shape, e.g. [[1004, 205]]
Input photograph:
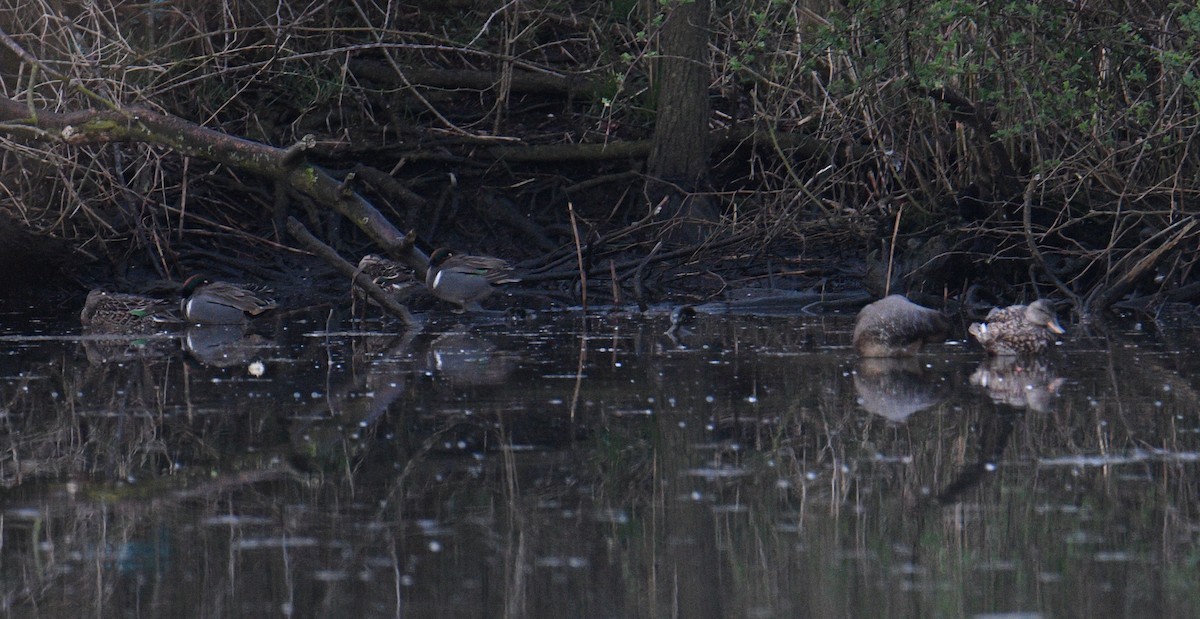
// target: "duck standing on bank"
[[465, 280], [1018, 329], [391, 276], [115, 311], [207, 302], [896, 327]]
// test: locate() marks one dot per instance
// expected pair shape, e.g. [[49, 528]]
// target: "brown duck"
[[119, 312], [391, 276], [896, 327], [1018, 329]]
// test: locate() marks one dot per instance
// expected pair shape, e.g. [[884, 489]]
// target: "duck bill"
[[1055, 327]]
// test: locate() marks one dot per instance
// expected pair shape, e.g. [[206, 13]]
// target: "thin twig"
[[638, 291], [616, 282], [887, 283], [578, 257]]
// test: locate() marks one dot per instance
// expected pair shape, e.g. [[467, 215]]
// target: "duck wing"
[[495, 270], [242, 297]]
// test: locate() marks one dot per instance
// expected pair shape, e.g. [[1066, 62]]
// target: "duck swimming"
[[116, 311], [220, 303], [1018, 329], [896, 327]]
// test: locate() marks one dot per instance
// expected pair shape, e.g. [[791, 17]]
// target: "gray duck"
[[465, 280], [896, 327], [220, 303], [116, 311], [1017, 329]]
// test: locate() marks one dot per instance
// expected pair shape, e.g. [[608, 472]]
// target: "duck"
[[116, 311], [896, 327], [1018, 329], [465, 280], [220, 303], [391, 276]]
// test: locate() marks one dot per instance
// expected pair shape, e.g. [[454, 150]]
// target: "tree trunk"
[[679, 154]]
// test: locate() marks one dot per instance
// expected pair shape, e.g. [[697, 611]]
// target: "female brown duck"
[[1018, 329], [119, 312]]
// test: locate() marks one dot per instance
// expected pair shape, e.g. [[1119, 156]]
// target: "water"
[[571, 467]]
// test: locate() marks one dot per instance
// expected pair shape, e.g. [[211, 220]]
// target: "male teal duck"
[[1018, 329], [465, 280], [896, 327], [115, 311], [220, 303]]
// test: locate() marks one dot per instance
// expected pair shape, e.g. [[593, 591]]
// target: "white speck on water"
[[709, 399], [435, 546]]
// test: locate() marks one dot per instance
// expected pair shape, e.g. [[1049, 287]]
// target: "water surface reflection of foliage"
[[612, 472]]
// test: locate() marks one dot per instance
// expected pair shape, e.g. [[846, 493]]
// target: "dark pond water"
[[572, 467]]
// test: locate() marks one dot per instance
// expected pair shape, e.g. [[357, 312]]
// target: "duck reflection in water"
[[223, 346], [896, 388], [1019, 383], [106, 347], [465, 359]]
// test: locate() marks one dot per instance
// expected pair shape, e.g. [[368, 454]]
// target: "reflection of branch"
[[993, 438]]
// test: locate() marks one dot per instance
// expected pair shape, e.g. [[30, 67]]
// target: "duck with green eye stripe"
[[465, 280], [115, 311]]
